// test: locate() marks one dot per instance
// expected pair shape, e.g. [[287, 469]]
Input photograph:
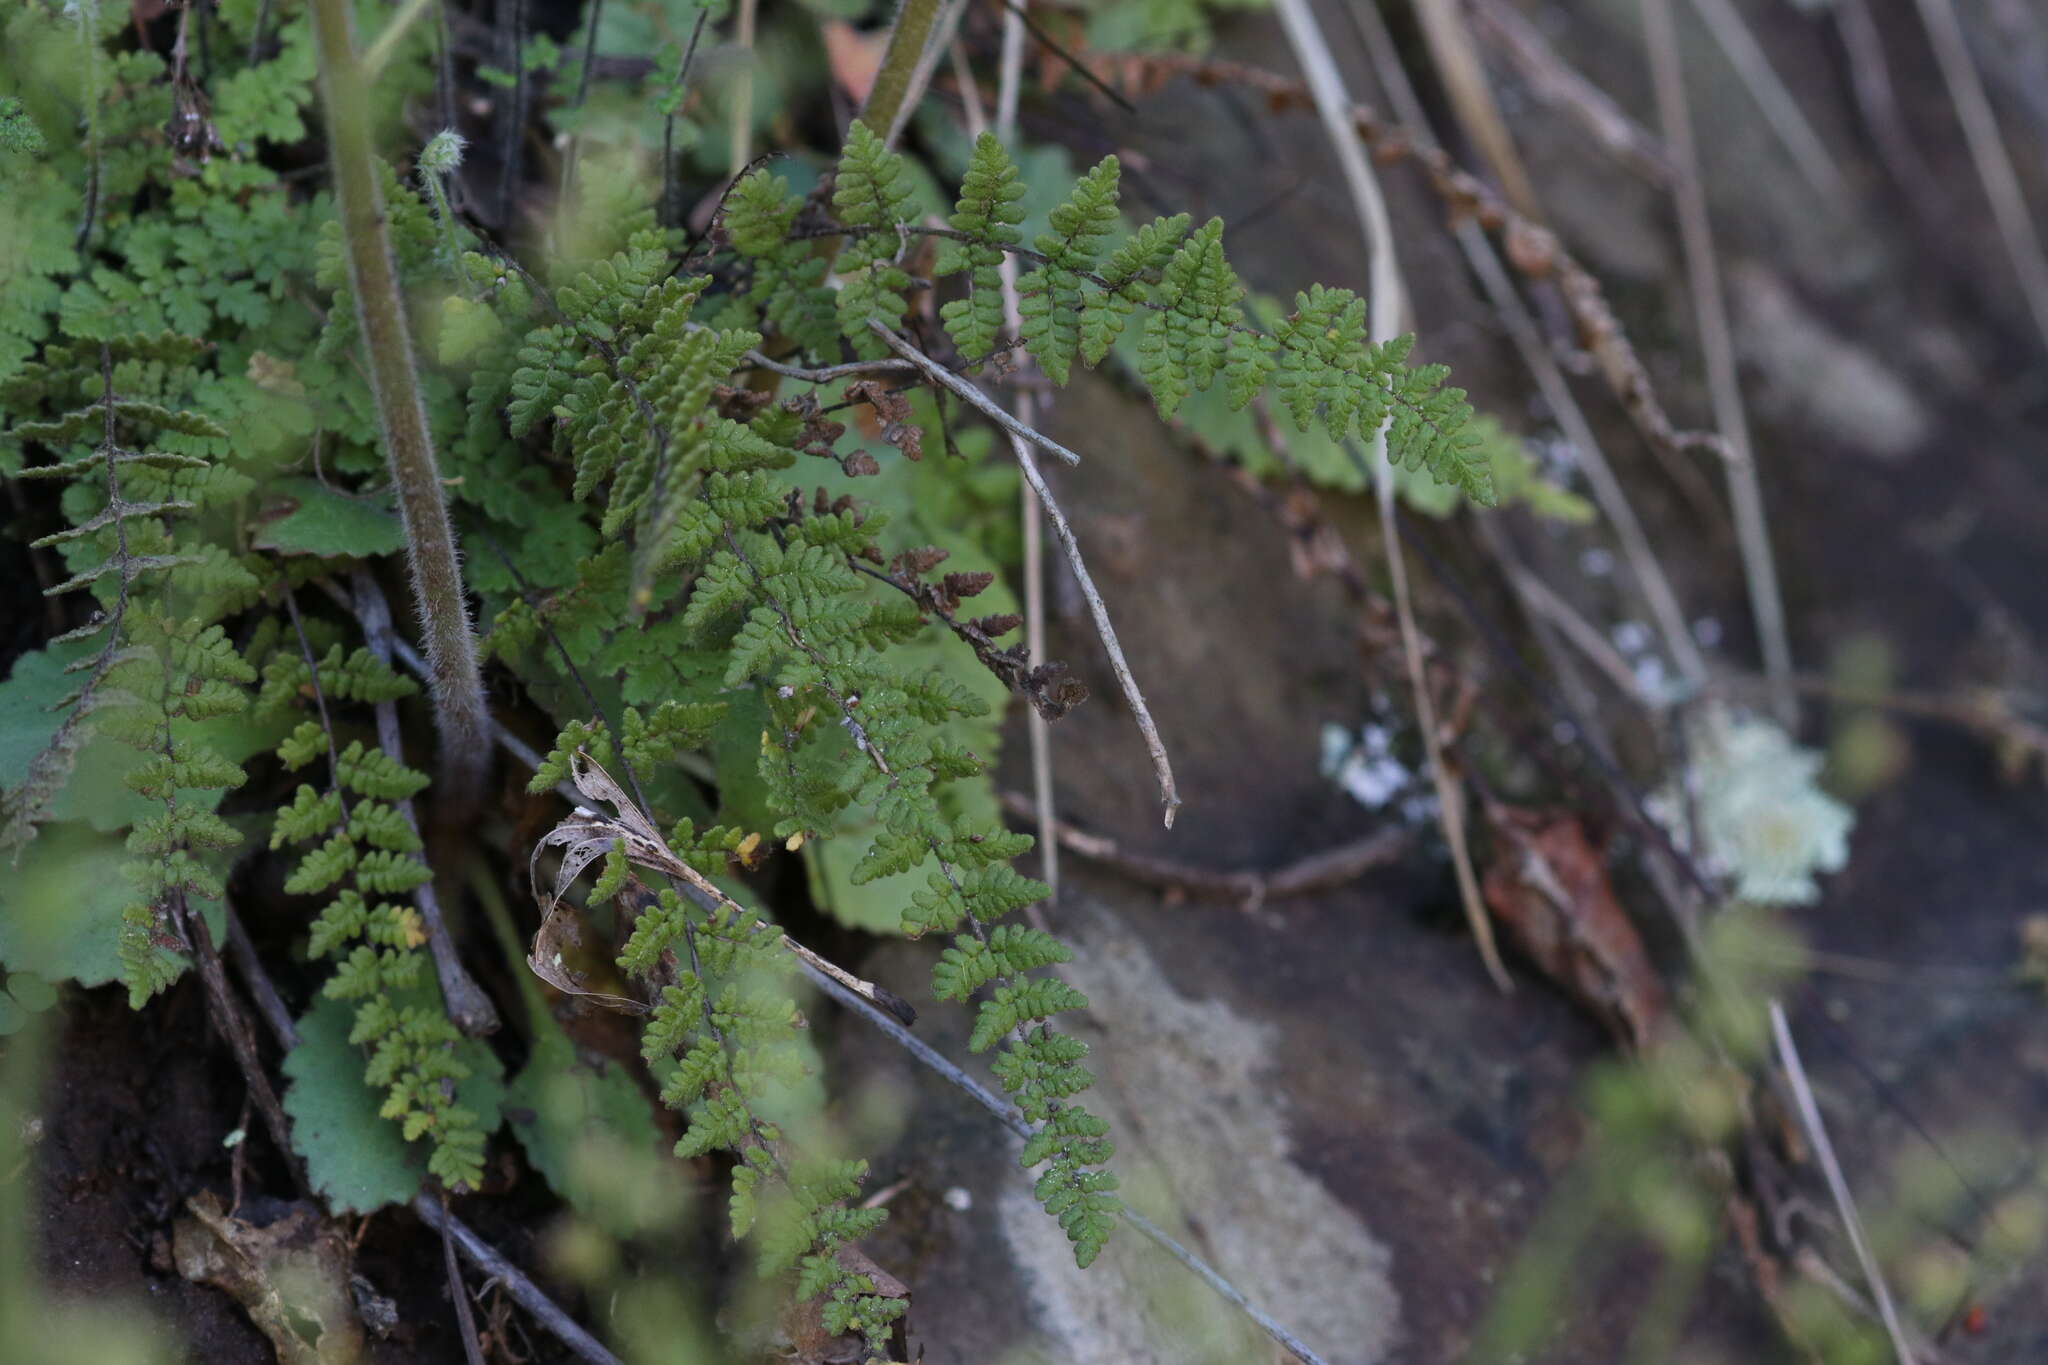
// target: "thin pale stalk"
[[1333, 104], [1780, 109], [461, 715], [1031, 515], [1613, 499], [378, 54], [1010, 74], [928, 61], [1745, 493], [1987, 150], [1032, 512], [1838, 1184], [742, 144], [1037, 727], [1446, 31]]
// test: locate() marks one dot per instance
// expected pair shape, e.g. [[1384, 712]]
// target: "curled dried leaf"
[[1549, 889]]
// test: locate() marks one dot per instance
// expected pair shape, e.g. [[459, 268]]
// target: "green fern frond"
[[989, 211], [1050, 298]]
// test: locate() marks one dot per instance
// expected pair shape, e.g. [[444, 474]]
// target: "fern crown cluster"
[[690, 571]]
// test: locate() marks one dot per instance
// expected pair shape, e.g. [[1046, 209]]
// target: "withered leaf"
[[1549, 890]]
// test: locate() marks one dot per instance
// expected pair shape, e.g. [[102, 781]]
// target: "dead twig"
[[1162, 767], [1987, 150], [1838, 1184], [1559, 85], [1332, 868], [1745, 493], [468, 1007]]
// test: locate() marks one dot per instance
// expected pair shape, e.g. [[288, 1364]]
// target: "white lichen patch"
[[1762, 820], [1202, 1148]]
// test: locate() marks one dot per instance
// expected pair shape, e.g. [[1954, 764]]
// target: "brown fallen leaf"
[[855, 58], [1548, 889]]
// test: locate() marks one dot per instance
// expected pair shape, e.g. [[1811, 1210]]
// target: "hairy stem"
[[892, 90], [461, 715]]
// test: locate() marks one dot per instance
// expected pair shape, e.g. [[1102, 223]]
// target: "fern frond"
[[1050, 298], [989, 211]]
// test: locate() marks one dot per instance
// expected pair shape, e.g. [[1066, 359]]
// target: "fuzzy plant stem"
[[894, 87], [460, 713]]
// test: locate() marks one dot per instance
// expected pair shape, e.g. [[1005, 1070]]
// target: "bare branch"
[[469, 1007], [1162, 768], [1332, 867], [945, 378]]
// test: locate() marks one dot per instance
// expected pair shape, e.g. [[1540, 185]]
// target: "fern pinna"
[[164, 668], [1079, 295], [362, 857]]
